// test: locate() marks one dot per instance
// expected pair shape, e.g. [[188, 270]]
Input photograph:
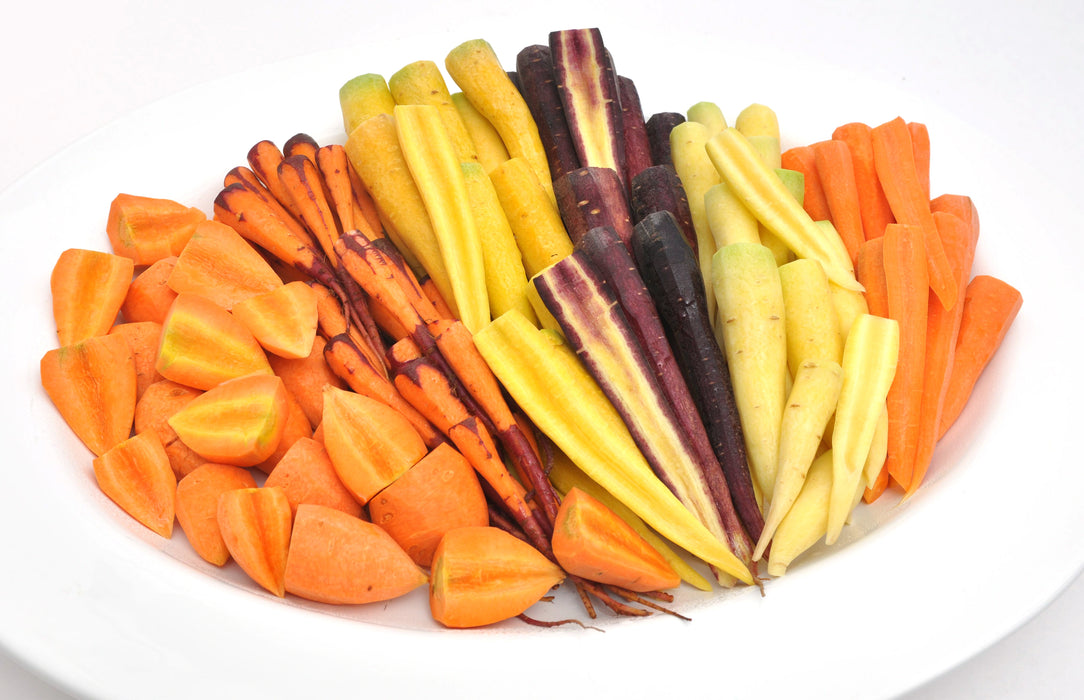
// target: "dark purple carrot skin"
[[538, 85], [577, 53], [590, 197], [672, 274], [659, 126], [658, 188], [637, 145], [615, 264], [300, 143]]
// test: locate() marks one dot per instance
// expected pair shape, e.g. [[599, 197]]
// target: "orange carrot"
[[803, 160], [333, 320], [941, 332], [429, 288], [264, 158], [217, 263], [869, 269], [835, 169], [135, 474], [437, 494], [482, 575], [369, 443], [893, 154], [305, 379], [589, 540], [347, 363], [990, 307], [303, 184], [920, 145], [88, 288], [93, 386], [908, 299], [283, 320], [248, 179], [255, 525], [238, 422], [301, 144], [142, 340], [297, 428], [149, 296], [158, 403], [872, 493], [876, 213], [307, 475], [147, 229], [197, 506], [338, 559]]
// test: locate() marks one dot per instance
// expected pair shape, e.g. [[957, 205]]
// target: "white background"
[[1009, 68]]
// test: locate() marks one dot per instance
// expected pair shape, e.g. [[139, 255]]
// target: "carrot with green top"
[[990, 307], [894, 157], [908, 302]]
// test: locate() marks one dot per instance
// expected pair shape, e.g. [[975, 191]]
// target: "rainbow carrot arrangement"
[[522, 335]]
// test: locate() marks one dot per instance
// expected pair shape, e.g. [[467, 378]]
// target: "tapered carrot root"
[[439, 493], [197, 506], [482, 575], [255, 524], [93, 386], [589, 540], [990, 307], [339, 559], [136, 475], [88, 288]]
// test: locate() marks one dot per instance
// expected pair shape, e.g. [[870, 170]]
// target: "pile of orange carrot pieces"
[[913, 253]]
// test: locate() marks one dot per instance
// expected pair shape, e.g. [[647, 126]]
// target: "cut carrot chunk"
[[149, 296], [341, 560], [136, 475], [197, 506], [439, 493], [283, 320], [370, 443], [238, 422], [88, 289], [219, 264], [93, 386], [306, 378], [152, 412], [589, 540], [142, 340], [482, 575], [307, 475], [203, 345], [255, 524], [147, 229], [297, 427]]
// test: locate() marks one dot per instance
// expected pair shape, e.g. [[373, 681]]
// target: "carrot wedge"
[[136, 475], [990, 307], [894, 157], [88, 288], [93, 386], [908, 299]]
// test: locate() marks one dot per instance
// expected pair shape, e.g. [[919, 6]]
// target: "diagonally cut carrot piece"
[[221, 265], [93, 386], [147, 229], [197, 506], [283, 320], [136, 475], [88, 288], [256, 525]]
